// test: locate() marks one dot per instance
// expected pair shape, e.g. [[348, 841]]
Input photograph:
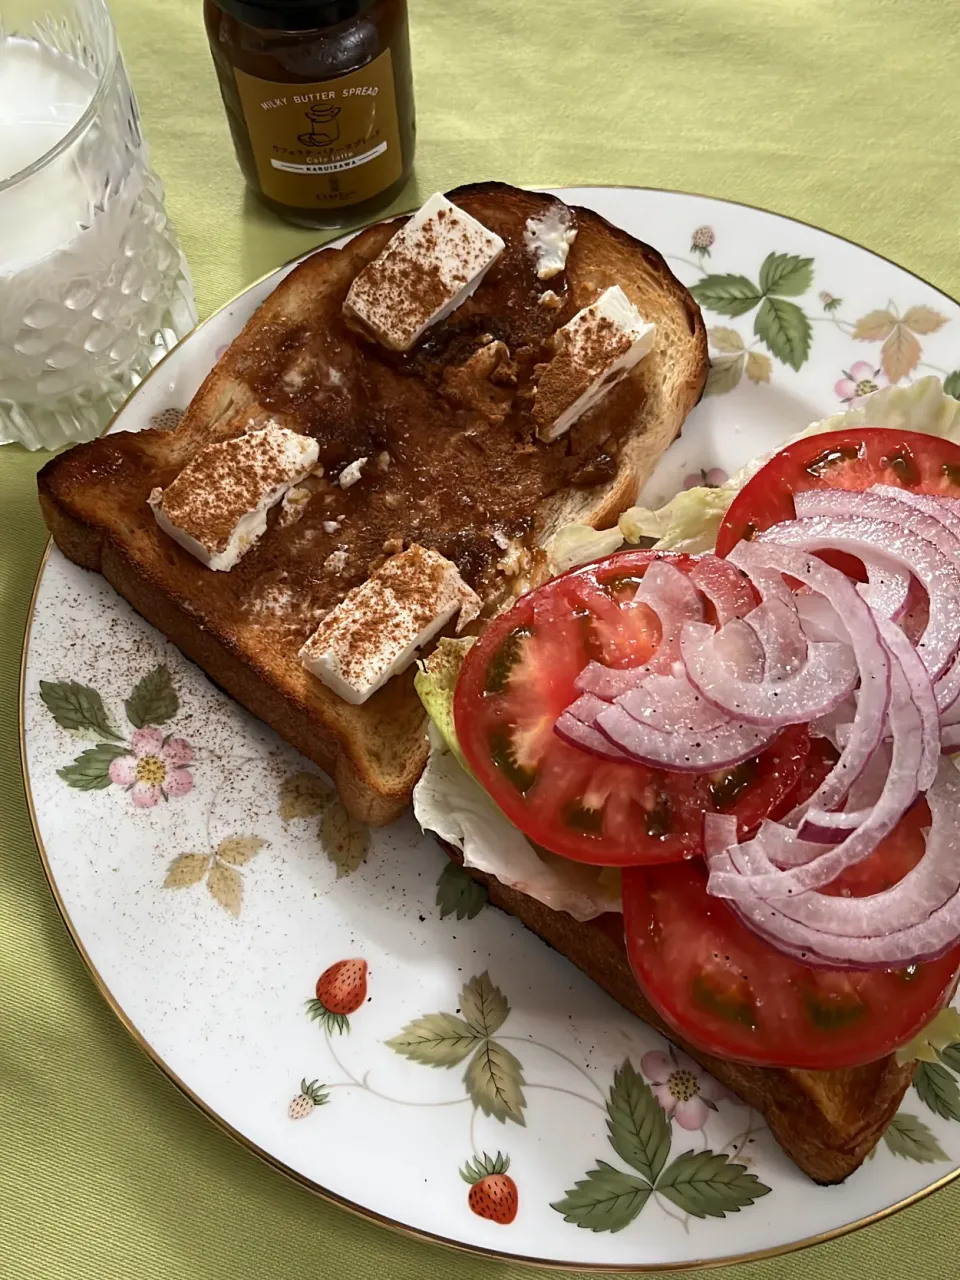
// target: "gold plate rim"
[[324, 1193]]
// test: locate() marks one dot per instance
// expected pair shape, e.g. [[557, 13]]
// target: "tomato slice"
[[520, 676], [821, 758], [735, 995], [853, 459]]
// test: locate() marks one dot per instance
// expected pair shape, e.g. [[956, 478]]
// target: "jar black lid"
[[294, 15]]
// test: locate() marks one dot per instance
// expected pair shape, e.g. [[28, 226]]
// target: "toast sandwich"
[[441, 442]]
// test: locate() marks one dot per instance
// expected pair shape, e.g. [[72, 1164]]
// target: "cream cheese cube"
[[594, 351], [431, 266], [217, 507], [549, 238], [375, 631]]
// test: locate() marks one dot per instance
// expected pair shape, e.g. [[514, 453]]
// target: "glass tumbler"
[[93, 286]]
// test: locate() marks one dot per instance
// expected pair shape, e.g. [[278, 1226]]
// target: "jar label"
[[328, 144]]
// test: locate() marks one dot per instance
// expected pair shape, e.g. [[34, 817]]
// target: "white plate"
[[209, 949]]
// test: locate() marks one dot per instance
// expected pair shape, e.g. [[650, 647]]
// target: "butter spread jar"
[[319, 96]]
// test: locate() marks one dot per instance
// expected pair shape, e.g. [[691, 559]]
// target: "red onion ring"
[[667, 703], [674, 599], [761, 560], [887, 589], [918, 919], [822, 826], [724, 586], [922, 543], [576, 726], [821, 684], [609, 683], [819, 619], [672, 596], [685, 750], [748, 872], [782, 639]]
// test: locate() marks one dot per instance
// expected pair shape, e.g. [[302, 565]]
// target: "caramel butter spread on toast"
[[437, 446]]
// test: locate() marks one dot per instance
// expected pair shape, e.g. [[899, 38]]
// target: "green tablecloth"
[[842, 112]]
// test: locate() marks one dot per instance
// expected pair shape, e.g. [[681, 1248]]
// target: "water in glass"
[[93, 286]]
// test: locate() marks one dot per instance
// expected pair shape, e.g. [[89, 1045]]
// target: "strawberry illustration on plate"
[[493, 1193], [341, 990], [311, 1095]]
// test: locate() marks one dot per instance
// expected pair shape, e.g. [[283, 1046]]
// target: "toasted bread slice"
[[827, 1122], [448, 464]]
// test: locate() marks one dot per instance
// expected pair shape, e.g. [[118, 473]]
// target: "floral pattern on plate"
[[699, 1183], [150, 765], [785, 327]]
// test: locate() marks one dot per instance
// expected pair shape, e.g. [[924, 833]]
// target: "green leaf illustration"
[[459, 892], [937, 1089], [727, 295], [951, 384], [786, 275], [708, 1185], [483, 1005], [909, 1137], [785, 330], [77, 706], [437, 1040], [154, 699], [950, 1054], [494, 1080], [724, 374], [638, 1127], [605, 1200], [91, 769], [727, 340]]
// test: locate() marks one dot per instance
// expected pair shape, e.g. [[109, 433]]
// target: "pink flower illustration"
[[155, 769], [711, 479], [682, 1089], [858, 382]]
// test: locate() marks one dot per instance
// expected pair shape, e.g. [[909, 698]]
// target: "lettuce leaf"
[[688, 522], [579, 544], [941, 1031], [450, 802], [435, 682]]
